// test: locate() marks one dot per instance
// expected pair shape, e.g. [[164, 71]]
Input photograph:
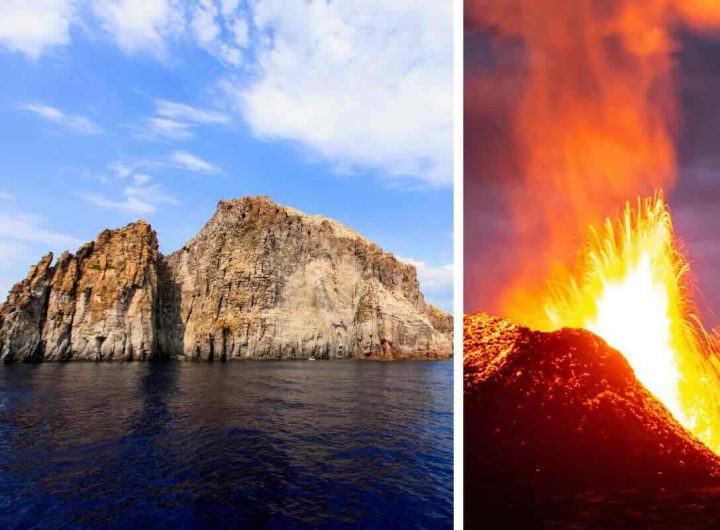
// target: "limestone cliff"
[[260, 281]]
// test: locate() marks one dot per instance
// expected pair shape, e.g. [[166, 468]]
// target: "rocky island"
[[260, 281]]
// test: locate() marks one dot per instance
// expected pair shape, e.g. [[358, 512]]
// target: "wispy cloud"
[[166, 128], [129, 203], [138, 195], [181, 111], [23, 238], [190, 162], [176, 121], [76, 123], [6, 196], [122, 169], [28, 228]]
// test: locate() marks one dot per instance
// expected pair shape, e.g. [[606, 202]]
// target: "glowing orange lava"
[[631, 288]]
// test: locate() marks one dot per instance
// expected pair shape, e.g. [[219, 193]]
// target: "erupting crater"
[[631, 288], [617, 388]]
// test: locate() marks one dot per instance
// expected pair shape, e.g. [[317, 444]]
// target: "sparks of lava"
[[631, 288]]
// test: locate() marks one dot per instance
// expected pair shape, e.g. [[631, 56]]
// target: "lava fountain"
[[594, 121], [631, 287]]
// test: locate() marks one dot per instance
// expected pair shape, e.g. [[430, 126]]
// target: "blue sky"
[[115, 110]]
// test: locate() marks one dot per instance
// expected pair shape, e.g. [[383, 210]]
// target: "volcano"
[[553, 419]]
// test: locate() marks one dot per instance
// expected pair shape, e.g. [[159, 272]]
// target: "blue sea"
[[323, 444]]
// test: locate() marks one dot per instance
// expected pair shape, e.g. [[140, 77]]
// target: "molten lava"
[[631, 288]]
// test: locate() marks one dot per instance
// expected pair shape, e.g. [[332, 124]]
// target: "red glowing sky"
[[493, 175]]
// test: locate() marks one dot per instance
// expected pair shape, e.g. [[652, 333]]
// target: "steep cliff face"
[[266, 281], [95, 305], [23, 315], [259, 281]]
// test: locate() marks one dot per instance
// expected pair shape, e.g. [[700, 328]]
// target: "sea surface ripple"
[[324, 444]]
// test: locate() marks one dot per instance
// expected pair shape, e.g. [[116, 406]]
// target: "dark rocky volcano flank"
[[260, 281], [549, 415]]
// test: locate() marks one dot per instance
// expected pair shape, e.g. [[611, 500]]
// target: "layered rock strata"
[[260, 281]]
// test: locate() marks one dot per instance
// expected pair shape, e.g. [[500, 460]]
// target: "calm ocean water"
[[242, 444]]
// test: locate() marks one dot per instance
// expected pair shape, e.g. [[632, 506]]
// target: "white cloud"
[[141, 25], [182, 112], [121, 169], [361, 85], [204, 22], [228, 7], [188, 161], [139, 195], [365, 85], [432, 277], [168, 129], [6, 196], [175, 121], [140, 179], [241, 32], [136, 26], [129, 203], [44, 111], [76, 123], [32, 26], [220, 30], [230, 54]]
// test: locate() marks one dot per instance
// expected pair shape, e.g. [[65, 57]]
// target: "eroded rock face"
[[97, 304], [23, 315], [260, 281], [265, 281]]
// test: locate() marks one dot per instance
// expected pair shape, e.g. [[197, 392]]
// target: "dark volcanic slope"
[[551, 413]]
